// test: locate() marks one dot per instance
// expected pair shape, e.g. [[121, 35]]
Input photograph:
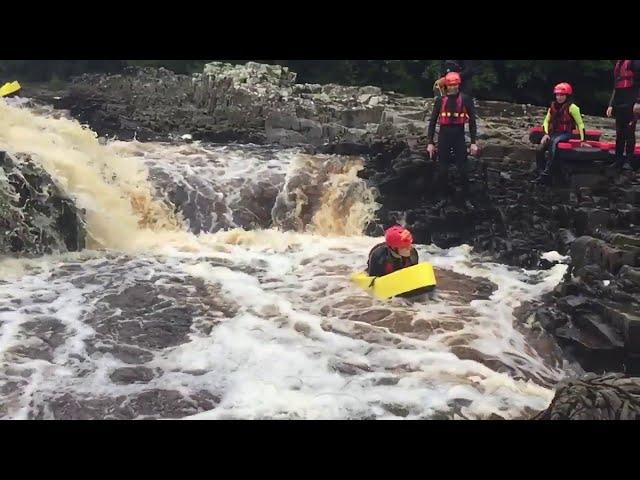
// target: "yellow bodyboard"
[[396, 283], [9, 88]]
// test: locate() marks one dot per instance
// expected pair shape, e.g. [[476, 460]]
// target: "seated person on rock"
[[562, 118], [451, 112], [395, 253]]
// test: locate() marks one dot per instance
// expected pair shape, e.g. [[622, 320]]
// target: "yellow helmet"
[[9, 88]]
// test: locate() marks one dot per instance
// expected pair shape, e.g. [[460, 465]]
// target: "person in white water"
[[395, 253]]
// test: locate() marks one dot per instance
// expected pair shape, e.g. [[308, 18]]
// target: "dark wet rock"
[[593, 312], [48, 329], [34, 349], [594, 350], [10, 391], [459, 402], [203, 208], [209, 203], [152, 316], [593, 397], [441, 416], [629, 279], [139, 297], [36, 216], [7, 388], [495, 416], [349, 368], [42, 336], [124, 353], [551, 319], [387, 381], [154, 334], [172, 404], [397, 410], [370, 316], [466, 353], [148, 404], [127, 375], [588, 250]]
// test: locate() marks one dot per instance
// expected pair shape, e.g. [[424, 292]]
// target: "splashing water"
[[224, 293], [113, 189]]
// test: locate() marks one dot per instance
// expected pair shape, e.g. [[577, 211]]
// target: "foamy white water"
[[165, 323]]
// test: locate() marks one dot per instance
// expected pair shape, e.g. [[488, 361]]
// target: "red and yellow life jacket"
[[561, 119], [458, 117], [623, 75]]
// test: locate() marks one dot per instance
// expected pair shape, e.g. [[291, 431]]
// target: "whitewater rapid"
[[216, 285]]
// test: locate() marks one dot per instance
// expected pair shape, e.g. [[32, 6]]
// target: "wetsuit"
[[624, 95], [383, 260], [559, 123], [451, 141]]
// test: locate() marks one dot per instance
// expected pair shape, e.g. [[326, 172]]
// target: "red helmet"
[[452, 79], [398, 237], [563, 89]]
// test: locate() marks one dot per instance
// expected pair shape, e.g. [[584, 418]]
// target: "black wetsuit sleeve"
[[376, 263], [414, 256], [471, 110], [431, 131]]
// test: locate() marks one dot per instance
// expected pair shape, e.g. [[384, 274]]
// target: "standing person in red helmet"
[[465, 68], [395, 253], [452, 112], [562, 118], [626, 75]]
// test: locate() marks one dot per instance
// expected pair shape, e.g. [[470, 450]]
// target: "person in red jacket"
[[626, 74]]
